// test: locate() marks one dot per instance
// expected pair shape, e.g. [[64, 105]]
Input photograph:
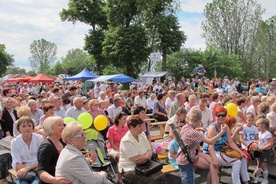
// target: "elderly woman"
[[71, 163], [176, 120], [48, 110], [94, 109], [135, 149], [49, 151], [22, 111], [24, 150], [239, 167]]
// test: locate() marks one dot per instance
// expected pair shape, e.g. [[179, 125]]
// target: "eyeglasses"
[[80, 135], [221, 115]]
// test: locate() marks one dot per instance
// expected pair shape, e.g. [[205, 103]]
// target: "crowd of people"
[[34, 115]]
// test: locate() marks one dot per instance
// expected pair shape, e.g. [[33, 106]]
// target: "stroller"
[[96, 144]]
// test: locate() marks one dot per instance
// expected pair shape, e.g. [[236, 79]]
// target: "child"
[[264, 146], [173, 148], [249, 132]]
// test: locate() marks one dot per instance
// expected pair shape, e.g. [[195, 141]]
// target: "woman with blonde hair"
[[22, 111], [72, 164], [49, 151]]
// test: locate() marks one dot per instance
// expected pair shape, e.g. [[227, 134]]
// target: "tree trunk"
[[164, 60]]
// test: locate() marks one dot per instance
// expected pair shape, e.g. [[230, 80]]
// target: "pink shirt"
[[116, 135]]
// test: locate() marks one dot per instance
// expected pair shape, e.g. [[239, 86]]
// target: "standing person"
[[97, 90], [72, 164], [239, 167], [49, 150], [9, 116], [115, 133], [264, 146], [24, 150], [192, 138], [135, 149]]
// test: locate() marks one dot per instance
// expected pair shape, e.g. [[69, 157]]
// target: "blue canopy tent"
[[115, 78], [83, 75]]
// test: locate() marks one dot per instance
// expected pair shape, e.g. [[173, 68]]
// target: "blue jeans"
[[187, 173], [35, 181]]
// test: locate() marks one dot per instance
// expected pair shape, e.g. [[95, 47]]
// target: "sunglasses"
[[221, 115], [80, 135]]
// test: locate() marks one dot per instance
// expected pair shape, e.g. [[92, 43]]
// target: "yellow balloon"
[[68, 120], [85, 119], [100, 122], [232, 109]]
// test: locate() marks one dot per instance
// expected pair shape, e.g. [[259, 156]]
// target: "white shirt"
[[263, 138], [207, 115], [169, 102], [113, 111], [60, 112], [20, 151], [96, 91], [150, 103], [248, 134], [73, 112], [103, 87], [140, 102], [130, 147], [272, 119]]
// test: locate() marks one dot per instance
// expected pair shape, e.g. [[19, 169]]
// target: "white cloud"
[[23, 21]]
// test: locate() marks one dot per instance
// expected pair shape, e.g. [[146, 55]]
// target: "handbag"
[[253, 153], [148, 168], [29, 176], [230, 153]]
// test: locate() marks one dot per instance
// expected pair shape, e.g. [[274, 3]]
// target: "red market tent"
[[20, 79], [41, 78]]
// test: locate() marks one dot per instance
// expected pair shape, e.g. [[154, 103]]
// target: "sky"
[[23, 21]]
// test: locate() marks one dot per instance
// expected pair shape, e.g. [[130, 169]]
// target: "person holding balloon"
[[114, 134]]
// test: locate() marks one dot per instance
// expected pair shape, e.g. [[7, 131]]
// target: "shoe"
[[256, 180], [265, 182]]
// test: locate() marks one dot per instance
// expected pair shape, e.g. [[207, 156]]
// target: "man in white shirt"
[[103, 86], [58, 109], [32, 89], [97, 90], [151, 101], [140, 100], [114, 109], [77, 109], [207, 116], [35, 112], [171, 98]]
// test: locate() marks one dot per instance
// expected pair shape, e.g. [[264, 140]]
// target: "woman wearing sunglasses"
[[239, 167], [72, 164]]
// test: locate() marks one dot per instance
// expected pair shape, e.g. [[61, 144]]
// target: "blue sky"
[[23, 21]]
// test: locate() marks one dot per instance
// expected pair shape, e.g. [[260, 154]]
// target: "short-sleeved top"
[[159, 107], [173, 146], [220, 142], [142, 102], [206, 115], [23, 154], [130, 147], [116, 134], [263, 138], [36, 116], [191, 138], [172, 120], [248, 134]]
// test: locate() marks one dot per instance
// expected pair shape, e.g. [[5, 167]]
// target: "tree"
[[93, 14], [43, 55], [231, 26], [6, 59], [75, 61], [15, 70]]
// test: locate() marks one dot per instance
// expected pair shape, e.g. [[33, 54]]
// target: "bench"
[[163, 156], [168, 169], [13, 174], [161, 124], [155, 137]]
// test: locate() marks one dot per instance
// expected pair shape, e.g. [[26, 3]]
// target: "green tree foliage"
[[6, 59], [43, 55], [92, 13], [15, 70], [231, 26], [74, 62], [183, 62]]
